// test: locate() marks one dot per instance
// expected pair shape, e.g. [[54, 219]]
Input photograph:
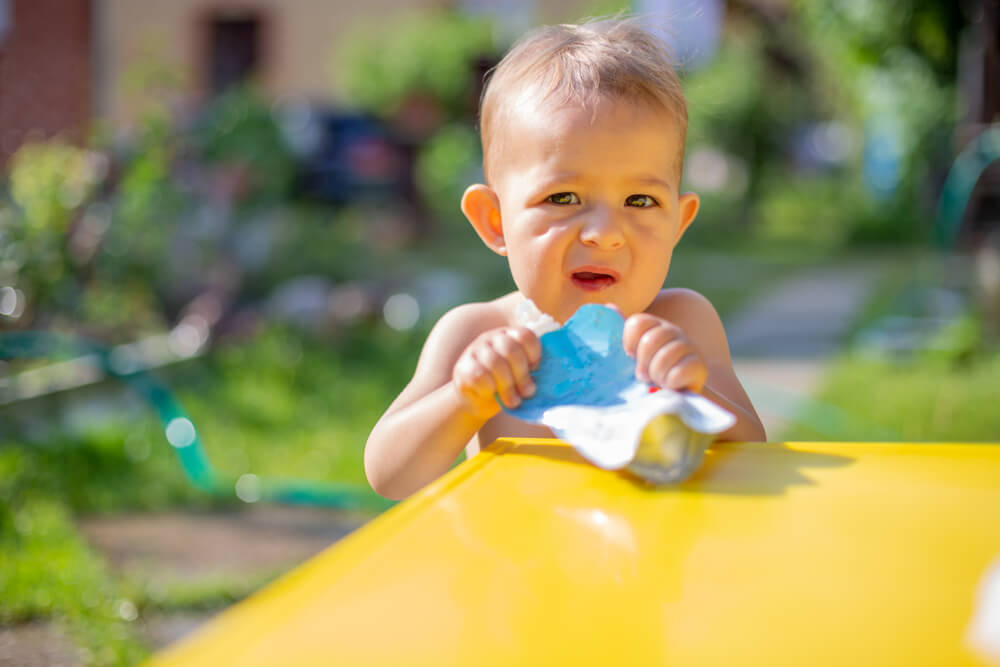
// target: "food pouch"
[[587, 393]]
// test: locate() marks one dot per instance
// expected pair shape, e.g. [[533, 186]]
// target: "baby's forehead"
[[550, 122], [561, 114]]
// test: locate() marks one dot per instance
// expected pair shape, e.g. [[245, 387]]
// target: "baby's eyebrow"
[[567, 178], [654, 181], [571, 177], [559, 180]]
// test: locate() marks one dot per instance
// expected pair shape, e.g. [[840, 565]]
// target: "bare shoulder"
[[461, 325], [444, 345], [680, 304], [696, 316]]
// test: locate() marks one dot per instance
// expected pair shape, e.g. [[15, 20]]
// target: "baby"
[[583, 131]]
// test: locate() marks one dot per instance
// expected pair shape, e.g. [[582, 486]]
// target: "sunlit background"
[[257, 201]]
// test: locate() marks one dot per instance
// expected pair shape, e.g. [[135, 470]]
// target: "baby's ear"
[[481, 206], [687, 208]]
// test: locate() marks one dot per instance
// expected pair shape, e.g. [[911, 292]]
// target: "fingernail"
[[530, 389]]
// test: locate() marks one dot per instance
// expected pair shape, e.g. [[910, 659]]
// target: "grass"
[[294, 407], [945, 393], [206, 593], [282, 405], [47, 571], [920, 400]]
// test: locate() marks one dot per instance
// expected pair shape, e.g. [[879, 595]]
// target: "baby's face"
[[589, 205]]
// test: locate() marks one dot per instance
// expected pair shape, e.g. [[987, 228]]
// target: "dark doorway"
[[234, 51]]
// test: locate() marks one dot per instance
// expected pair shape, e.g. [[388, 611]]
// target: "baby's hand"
[[498, 362], [663, 354]]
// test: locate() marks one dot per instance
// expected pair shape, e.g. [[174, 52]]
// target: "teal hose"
[[181, 433], [965, 172]]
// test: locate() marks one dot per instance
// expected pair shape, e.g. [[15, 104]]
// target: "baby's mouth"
[[593, 281]]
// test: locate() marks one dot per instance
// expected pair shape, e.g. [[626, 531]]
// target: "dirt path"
[[36, 644], [782, 341], [177, 548]]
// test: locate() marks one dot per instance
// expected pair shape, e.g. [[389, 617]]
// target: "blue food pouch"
[[587, 393]]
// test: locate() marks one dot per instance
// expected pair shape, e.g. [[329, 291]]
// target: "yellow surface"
[[794, 554]]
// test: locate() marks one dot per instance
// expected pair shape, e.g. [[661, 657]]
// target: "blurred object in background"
[[510, 19], [422, 74], [690, 28], [988, 274], [979, 107], [235, 43], [979, 86], [344, 156]]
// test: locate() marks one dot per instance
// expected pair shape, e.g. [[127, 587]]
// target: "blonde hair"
[[583, 64]]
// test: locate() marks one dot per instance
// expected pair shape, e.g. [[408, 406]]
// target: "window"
[[234, 51]]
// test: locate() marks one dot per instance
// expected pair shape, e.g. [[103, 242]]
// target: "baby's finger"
[[475, 384], [473, 376], [652, 342], [529, 342], [503, 378], [665, 359], [635, 327], [517, 357], [689, 373]]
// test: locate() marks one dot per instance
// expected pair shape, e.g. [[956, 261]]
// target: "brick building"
[[45, 70]]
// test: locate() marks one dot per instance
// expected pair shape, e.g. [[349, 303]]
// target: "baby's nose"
[[602, 229]]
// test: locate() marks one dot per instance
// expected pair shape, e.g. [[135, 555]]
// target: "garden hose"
[[962, 178], [180, 431]]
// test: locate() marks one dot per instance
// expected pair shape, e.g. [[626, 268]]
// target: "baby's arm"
[[469, 358], [680, 343]]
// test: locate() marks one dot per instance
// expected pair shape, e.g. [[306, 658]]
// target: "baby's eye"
[[640, 201], [564, 198]]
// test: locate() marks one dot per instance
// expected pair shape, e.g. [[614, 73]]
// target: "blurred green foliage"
[[381, 65], [418, 72], [146, 200], [918, 400], [49, 182], [49, 572], [238, 130], [870, 68], [284, 404], [295, 406], [90, 236], [448, 163], [82, 257]]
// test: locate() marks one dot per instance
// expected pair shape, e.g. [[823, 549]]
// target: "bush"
[[381, 66], [919, 400], [447, 164], [238, 130], [50, 182]]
